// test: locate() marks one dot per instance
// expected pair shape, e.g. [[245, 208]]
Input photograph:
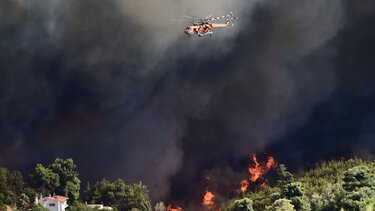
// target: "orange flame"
[[257, 171], [244, 185], [209, 200], [271, 163], [170, 208]]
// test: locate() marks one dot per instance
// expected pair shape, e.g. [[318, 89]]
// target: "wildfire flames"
[[244, 185], [209, 200], [257, 171], [170, 208]]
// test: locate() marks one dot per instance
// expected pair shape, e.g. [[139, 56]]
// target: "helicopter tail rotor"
[[231, 18]]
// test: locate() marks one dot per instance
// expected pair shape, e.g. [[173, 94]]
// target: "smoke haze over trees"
[[116, 85]]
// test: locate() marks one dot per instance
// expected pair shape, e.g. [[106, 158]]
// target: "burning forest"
[[257, 178], [346, 184]]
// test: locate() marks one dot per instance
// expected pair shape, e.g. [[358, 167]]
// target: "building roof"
[[58, 198]]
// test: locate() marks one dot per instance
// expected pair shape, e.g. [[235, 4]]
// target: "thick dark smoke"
[[116, 85]]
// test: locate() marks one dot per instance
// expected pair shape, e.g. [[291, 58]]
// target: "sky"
[[117, 86]]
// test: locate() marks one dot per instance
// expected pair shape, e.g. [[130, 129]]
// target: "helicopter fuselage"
[[204, 28]]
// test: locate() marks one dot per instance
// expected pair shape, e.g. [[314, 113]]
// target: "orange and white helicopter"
[[204, 26]]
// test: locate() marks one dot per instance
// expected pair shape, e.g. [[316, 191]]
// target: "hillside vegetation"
[[330, 186]]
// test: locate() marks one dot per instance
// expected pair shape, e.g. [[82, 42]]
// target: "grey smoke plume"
[[74, 70], [277, 82], [254, 112], [117, 82]]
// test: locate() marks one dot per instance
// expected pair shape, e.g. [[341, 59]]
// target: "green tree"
[[13, 187], [72, 189], [60, 177], [46, 179], [244, 204], [329, 199], [30, 193], [160, 206], [295, 192], [39, 208], [359, 199], [120, 195], [2, 206], [87, 193], [16, 182], [359, 186], [371, 206], [9, 187], [69, 178], [284, 177], [103, 192], [281, 205], [136, 196], [119, 190], [4, 185], [22, 201], [358, 177], [294, 189], [80, 207]]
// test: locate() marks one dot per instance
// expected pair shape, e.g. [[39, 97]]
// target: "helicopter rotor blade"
[[208, 17], [230, 16], [190, 17], [181, 20]]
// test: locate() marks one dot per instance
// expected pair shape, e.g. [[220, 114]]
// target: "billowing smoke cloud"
[[80, 74], [342, 126], [116, 82], [276, 82], [281, 70]]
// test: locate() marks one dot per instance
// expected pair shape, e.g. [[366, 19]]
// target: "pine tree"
[[284, 177], [281, 205], [359, 184], [244, 204]]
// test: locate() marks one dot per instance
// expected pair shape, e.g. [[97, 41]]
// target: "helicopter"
[[204, 26]]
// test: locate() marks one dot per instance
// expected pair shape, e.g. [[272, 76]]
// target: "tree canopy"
[[60, 178], [118, 194]]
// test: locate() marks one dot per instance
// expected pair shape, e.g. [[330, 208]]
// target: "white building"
[[53, 203]]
